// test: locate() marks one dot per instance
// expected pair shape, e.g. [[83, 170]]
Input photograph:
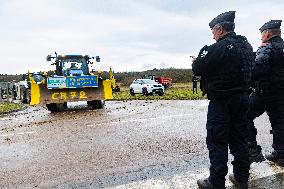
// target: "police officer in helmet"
[[224, 68], [268, 95]]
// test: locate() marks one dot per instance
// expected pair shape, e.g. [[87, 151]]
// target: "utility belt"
[[261, 87], [267, 87], [217, 80]]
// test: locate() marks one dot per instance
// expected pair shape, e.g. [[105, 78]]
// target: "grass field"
[[179, 91], [7, 107]]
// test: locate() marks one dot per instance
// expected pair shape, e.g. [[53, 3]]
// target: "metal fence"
[[6, 91]]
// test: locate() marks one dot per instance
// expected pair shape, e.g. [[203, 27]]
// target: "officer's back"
[[229, 69], [268, 73]]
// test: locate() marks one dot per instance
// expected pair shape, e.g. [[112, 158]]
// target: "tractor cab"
[[72, 65]]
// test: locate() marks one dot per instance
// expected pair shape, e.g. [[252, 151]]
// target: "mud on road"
[[133, 144]]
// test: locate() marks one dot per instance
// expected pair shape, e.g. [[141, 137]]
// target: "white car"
[[146, 87]]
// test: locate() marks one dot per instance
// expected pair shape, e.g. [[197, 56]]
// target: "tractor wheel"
[[132, 92], [53, 107], [25, 97], [96, 104], [22, 97], [28, 96]]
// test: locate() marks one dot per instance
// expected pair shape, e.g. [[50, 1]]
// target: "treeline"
[[10, 78], [126, 78], [178, 75]]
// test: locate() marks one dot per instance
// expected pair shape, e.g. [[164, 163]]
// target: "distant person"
[[268, 82], [225, 69], [73, 66], [194, 84], [74, 70]]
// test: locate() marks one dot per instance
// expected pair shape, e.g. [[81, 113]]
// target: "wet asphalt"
[[128, 144]]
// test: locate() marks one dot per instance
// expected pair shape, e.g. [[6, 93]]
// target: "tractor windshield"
[[74, 67]]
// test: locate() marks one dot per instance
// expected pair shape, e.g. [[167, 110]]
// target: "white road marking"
[[22, 133], [138, 120]]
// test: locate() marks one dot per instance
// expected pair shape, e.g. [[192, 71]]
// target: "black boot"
[[276, 158], [240, 185], [206, 184], [255, 154]]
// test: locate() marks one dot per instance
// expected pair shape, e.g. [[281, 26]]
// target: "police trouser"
[[227, 126], [274, 106]]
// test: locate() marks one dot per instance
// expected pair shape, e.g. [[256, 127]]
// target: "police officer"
[[268, 82], [225, 69]]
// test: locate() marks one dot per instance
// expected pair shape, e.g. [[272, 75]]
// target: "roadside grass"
[[6, 107], [179, 91]]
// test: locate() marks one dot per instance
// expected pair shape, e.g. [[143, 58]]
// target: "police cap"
[[272, 24], [226, 17]]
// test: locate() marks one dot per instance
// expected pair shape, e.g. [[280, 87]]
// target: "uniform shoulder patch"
[[203, 53], [230, 46]]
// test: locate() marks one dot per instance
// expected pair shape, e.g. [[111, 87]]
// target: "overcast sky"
[[128, 35]]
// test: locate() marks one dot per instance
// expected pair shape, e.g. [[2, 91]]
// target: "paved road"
[[134, 144]]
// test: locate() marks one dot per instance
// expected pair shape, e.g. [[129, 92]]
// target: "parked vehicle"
[[146, 87], [21, 91], [165, 81]]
